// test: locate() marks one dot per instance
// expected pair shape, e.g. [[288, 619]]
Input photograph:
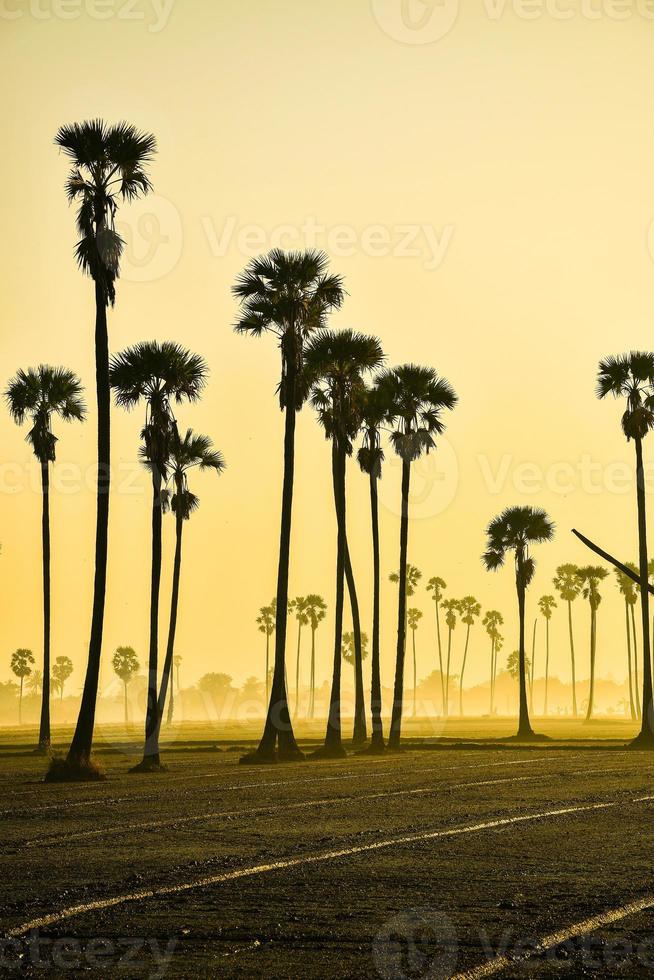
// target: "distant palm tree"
[[567, 584], [336, 363], [348, 649], [533, 666], [109, 165], [61, 671], [628, 590], [158, 374], [514, 530], [513, 664], [299, 607], [547, 604], [437, 587], [632, 602], [35, 683], [413, 618], [492, 621], [417, 398], [590, 576], [451, 608], [470, 610], [316, 612], [38, 394], [125, 664], [266, 625], [177, 663], [290, 295], [22, 661]]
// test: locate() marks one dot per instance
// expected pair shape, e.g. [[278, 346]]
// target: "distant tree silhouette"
[[177, 663], [632, 602], [470, 610], [413, 618], [61, 671], [437, 587], [37, 394], [513, 664], [628, 590], [125, 664], [109, 165], [547, 604], [35, 682], [590, 577], [348, 649], [22, 661], [316, 612], [567, 584], [451, 608], [299, 607], [266, 625], [492, 621], [515, 530], [290, 295]]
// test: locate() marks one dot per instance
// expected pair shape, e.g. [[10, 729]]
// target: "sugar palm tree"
[[109, 165], [299, 607], [159, 375], [590, 577], [632, 601], [266, 625], [547, 604], [533, 666], [470, 610], [628, 590], [38, 394], [348, 649], [413, 618], [515, 530], [22, 661], [177, 663], [35, 683], [61, 671], [437, 587], [450, 608], [336, 363], [125, 664], [290, 295], [491, 622], [567, 584], [316, 611], [417, 399]]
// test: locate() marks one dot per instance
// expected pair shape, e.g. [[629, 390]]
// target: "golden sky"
[[481, 176]]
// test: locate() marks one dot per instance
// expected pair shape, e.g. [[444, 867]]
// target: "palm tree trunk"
[[79, 752], [591, 694], [297, 670], [171, 703], [44, 728], [463, 667], [267, 666], [413, 641], [636, 681], [151, 747], [572, 660], [492, 674], [166, 673], [632, 706], [333, 741], [360, 733], [398, 688], [533, 667], [312, 684], [440, 655], [446, 710], [20, 702], [547, 660], [377, 741], [125, 692], [647, 731], [524, 725]]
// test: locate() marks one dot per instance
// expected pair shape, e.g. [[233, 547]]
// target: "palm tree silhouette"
[[413, 618], [628, 590], [547, 604], [290, 295], [348, 649], [566, 582], [158, 374], [177, 663], [492, 621], [469, 610], [633, 568], [451, 608], [417, 398], [515, 529], [299, 607], [437, 587], [35, 683], [125, 664], [316, 610], [590, 576], [21, 665], [187, 453], [109, 165], [61, 671], [266, 625], [38, 394], [336, 362]]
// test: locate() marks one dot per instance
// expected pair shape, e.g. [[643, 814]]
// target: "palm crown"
[[185, 453], [437, 587], [451, 607], [316, 608], [514, 530], [348, 647], [41, 393], [413, 576], [630, 376], [566, 582], [590, 576], [469, 609], [547, 604], [125, 662], [266, 620], [626, 586], [413, 617], [492, 621], [416, 397], [374, 412]]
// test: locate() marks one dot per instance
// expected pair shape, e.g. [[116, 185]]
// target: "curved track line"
[[206, 880]]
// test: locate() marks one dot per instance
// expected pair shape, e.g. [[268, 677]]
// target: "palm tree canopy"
[[108, 163], [266, 620], [630, 376], [375, 408], [348, 647], [626, 585], [436, 586], [547, 604], [566, 582], [416, 398], [41, 393], [125, 662], [491, 621], [469, 609], [514, 530], [299, 607], [590, 577], [21, 662], [413, 576], [185, 453], [316, 609], [413, 618], [451, 607], [61, 671]]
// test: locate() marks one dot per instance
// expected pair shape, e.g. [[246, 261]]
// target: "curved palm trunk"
[[591, 694], [79, 752], [632, 706], [377, 741], [44, 728], [172, 627], [647, 729], [398, 688], [524, 725], [636, 681], [151, 747], [572, 660], [440, 655], [359, 734], [333, 741], [463, 667]]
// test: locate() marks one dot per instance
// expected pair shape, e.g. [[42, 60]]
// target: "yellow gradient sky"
[[517, 155]]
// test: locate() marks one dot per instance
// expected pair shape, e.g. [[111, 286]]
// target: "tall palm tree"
[[109, 166], [266, 625], [567, 584], [184, 454], [413, 618], [628, 590], [633, 600], [38, 394], [299, 607], [61, 671], [631, 376], [547, 604], [492, 621], [450, 608], [515, 530], [590, 576], [437, 587], [417, 398], [470, 610], [533, 666], [316, 611], [290, 295], [22, 661], [160, 375], [336, 363], [125, 664]]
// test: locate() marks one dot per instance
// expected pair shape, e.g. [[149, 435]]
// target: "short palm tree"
[[413, 619], [470, 610], [299, 607], [417, 399], [590, 577], [491, 622], [336, 363], [628, 591], [109, 165], [290, 295], [567, 584], [61, 671], [39, 394], [316, 610], [160, 375], [125, 664], [437, 588], [515, 530], [266, 625], [450, 608], [547, 604], [22, 661]]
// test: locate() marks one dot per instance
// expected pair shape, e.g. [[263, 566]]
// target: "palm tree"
[[299, 607], [158, 374], [290, 295], [492, 621], [266, 625], [349, 646], [35, 683], [513, 664], [470, 610], [177, 663], [184, 454], [631, 376], [633, 600], [451, 608], [628, 590], [533, 666], [413, 618], [61, 671], [125, 664], [567, 584], [417, 398], [21, 665], [515, 529], [547, 604], [316, 610], [437, 587], [590, 576], [109, 165], [38, 394], [336, 362]]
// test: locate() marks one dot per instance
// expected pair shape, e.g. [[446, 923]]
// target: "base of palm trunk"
[[643, 742], [270, 757], [358, 741], [63, 770], [150, 764], [528, 737], [43, 749], [329, 752], [375, 748]]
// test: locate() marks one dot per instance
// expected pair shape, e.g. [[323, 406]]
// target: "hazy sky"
[[483, 179]]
